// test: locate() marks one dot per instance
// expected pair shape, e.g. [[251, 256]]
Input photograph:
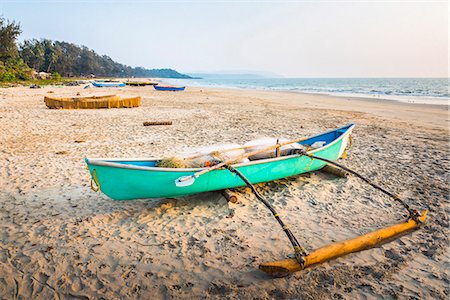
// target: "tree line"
[[19, 62]]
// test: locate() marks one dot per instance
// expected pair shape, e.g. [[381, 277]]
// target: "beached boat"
[[107, 84], [108, 101], [169, 88], [140, 83], [126, 179]]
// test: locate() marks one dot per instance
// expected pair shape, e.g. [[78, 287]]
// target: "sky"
[[288, 38]]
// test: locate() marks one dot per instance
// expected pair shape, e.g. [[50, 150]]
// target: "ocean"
[[411, 90]]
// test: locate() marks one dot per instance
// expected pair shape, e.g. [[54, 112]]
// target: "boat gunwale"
[[109, 162]]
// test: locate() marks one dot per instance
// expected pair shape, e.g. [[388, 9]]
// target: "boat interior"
[[323, 140]]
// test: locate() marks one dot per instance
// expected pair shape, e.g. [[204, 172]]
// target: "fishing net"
[[265, 142], [172, 162], [204, 157], [212, 155]]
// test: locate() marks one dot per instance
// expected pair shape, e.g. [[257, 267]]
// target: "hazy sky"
[[290, 38]]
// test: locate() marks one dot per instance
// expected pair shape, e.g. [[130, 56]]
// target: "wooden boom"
[[285, 267]]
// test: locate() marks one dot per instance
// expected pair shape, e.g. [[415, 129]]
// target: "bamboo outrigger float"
[[286, 267]]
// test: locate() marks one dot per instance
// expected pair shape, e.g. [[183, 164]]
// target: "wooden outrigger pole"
[[286, 267]]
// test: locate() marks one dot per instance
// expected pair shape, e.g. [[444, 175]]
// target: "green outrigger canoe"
[[128, 179]]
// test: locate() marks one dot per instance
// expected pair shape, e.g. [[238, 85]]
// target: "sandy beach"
[[59, 239]]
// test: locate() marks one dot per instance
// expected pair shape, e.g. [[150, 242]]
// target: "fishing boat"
[[140, 83], [108, 84], [140, 178], [127, 179], [169, 88]]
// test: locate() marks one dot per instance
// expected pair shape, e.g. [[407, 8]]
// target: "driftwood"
[[229, 195], [335, 171], [153, 123]]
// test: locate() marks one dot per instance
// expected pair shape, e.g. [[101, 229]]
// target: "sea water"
[[411, 90]]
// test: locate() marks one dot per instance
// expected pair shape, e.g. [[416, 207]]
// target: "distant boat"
[[169, 88], [140, 83], [108, 84]]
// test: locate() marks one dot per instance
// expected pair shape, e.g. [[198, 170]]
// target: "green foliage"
[[56, 76], [20, 68], [12, 67], [9, 31], [33, 54], [7, 77], [71, 60]]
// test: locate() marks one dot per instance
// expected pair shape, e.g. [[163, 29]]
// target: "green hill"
[[72, 60], [17, 62]]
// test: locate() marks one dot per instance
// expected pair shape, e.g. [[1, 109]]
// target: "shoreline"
[[352, 97], [418, 113], [396, 98], [385, 100]]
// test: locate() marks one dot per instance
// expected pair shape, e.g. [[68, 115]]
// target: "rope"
[[95, 179], [299, 251], [348, 147], [413, 214]]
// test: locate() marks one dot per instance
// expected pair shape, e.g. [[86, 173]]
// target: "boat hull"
[[108, 84], [133, 179], [169, 88]]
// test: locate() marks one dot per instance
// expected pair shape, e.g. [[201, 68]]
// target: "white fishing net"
[[214, 154], [265, 142]]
